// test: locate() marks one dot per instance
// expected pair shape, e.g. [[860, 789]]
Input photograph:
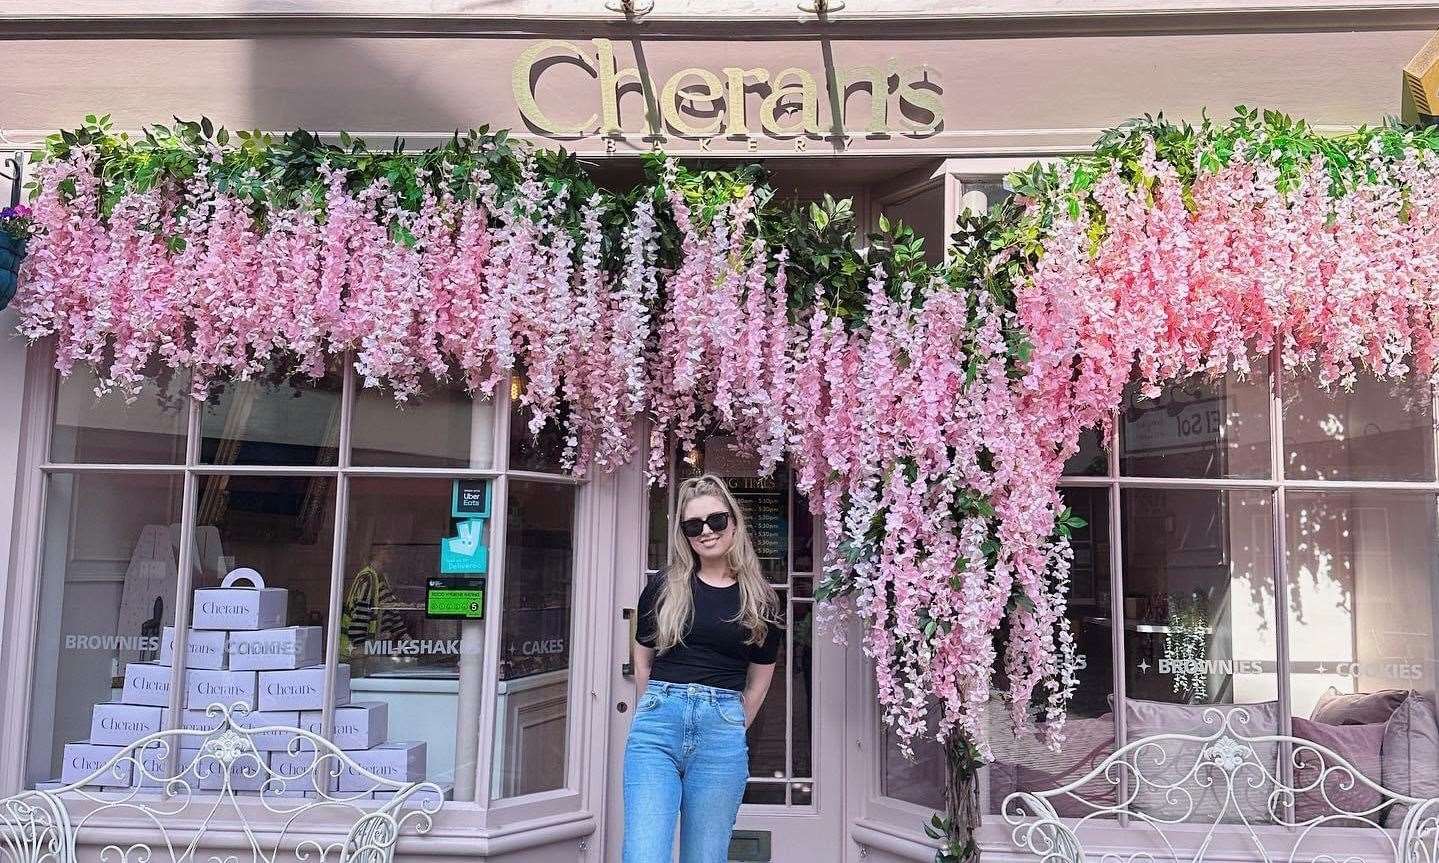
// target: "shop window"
[[399, 652], [112, 579], [1376, 431], [93, 429], [273, 419], [1025, 762], [1198, 429], [1199, 596], [1361, 568], [532, 711], [440, 427], [108, 577]]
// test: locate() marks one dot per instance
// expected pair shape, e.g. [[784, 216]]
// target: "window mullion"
[[184, 578], [337, 553], [1281, 580], [480, 640], [1116, 604]]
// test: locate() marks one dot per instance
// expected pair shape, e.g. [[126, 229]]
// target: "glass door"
[[792, 804]]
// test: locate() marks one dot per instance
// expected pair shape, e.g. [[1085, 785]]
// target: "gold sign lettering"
[[697, 103], [523, 83]]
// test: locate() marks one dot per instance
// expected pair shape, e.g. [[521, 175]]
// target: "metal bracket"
[[16, 162], [630, 615]]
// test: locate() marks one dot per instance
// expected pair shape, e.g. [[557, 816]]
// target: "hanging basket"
[[12, 252]]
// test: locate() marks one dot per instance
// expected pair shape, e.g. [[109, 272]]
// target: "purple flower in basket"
[[17, 221]]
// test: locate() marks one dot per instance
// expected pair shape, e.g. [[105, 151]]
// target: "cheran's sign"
[[733, 102]]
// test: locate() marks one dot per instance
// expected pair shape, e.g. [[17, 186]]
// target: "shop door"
[[794, 804]]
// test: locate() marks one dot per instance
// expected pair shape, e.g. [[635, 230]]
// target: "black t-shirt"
[[714, 651]]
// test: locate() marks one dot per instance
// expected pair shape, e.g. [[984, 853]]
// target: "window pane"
[[532, 714], [1199, 429], [764, 793], [108, 579], [94, 429], [1199, 629], [768, 732], [542, 451], [1091, 459], [440, 427], [803, 682], [270, 645], [1024, 762], [1361, 571], [657, 553], [1378, 431], [1361, 568], [398, 654], [274, 420], [1199, 596], [802, 534], [919, 780]]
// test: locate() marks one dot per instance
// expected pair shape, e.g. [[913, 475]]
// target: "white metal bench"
[[1201, 783], [176, 812]]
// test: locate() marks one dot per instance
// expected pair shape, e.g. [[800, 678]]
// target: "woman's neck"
[[716, 572]]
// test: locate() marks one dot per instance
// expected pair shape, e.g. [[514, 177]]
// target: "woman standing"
[[709, 629]]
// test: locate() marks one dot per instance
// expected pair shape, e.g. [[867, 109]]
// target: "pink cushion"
[[1172, 789], [1360, 708], [1410, 757], [1342, 791], [1026, 764]]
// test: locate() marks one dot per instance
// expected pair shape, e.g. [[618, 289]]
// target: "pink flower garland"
[[934, 468]]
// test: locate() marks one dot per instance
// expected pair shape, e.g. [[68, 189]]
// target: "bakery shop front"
[[428, 583]]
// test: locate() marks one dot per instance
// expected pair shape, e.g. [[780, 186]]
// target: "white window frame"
[[517, 822]]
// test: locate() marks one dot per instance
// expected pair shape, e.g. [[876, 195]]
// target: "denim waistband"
[[694, 690]]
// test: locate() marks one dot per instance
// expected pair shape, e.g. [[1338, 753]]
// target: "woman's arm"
[[756, 687], [644, 661]]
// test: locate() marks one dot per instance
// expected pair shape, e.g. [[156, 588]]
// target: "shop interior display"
[[240, 654]]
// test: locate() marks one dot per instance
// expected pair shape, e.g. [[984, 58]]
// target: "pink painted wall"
[[1001, 94]]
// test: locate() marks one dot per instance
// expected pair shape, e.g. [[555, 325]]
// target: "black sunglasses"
[[717, 522]]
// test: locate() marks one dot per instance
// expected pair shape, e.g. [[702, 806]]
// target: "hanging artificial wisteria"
[[927, 410]]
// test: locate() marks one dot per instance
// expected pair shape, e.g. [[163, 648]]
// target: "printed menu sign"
[[766, 512]]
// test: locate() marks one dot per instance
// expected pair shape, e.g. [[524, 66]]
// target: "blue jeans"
[[686, 755]]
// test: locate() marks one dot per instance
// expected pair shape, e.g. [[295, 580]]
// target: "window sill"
[[454, 834]]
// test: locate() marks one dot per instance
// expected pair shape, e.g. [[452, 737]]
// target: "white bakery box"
[[232, 606], [113, 723], [282, 724], [397, 761], [301, 688], [146, 683], [300, 770], [204, 687], [204, 648], [84, 758], [358, 725], [276, 649]]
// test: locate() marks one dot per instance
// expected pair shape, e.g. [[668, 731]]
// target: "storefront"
[[1245, 542]]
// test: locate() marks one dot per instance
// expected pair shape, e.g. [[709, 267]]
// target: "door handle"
[[633, 619]]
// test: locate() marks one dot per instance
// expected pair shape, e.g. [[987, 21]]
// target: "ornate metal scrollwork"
[[179, 801], [1226, 784]]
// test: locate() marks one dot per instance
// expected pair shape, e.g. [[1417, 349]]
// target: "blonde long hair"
[[674, 607]]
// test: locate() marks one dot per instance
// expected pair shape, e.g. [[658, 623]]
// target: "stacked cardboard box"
[[238, 651]]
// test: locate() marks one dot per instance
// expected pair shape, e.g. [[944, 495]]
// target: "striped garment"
[[368, 591]]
